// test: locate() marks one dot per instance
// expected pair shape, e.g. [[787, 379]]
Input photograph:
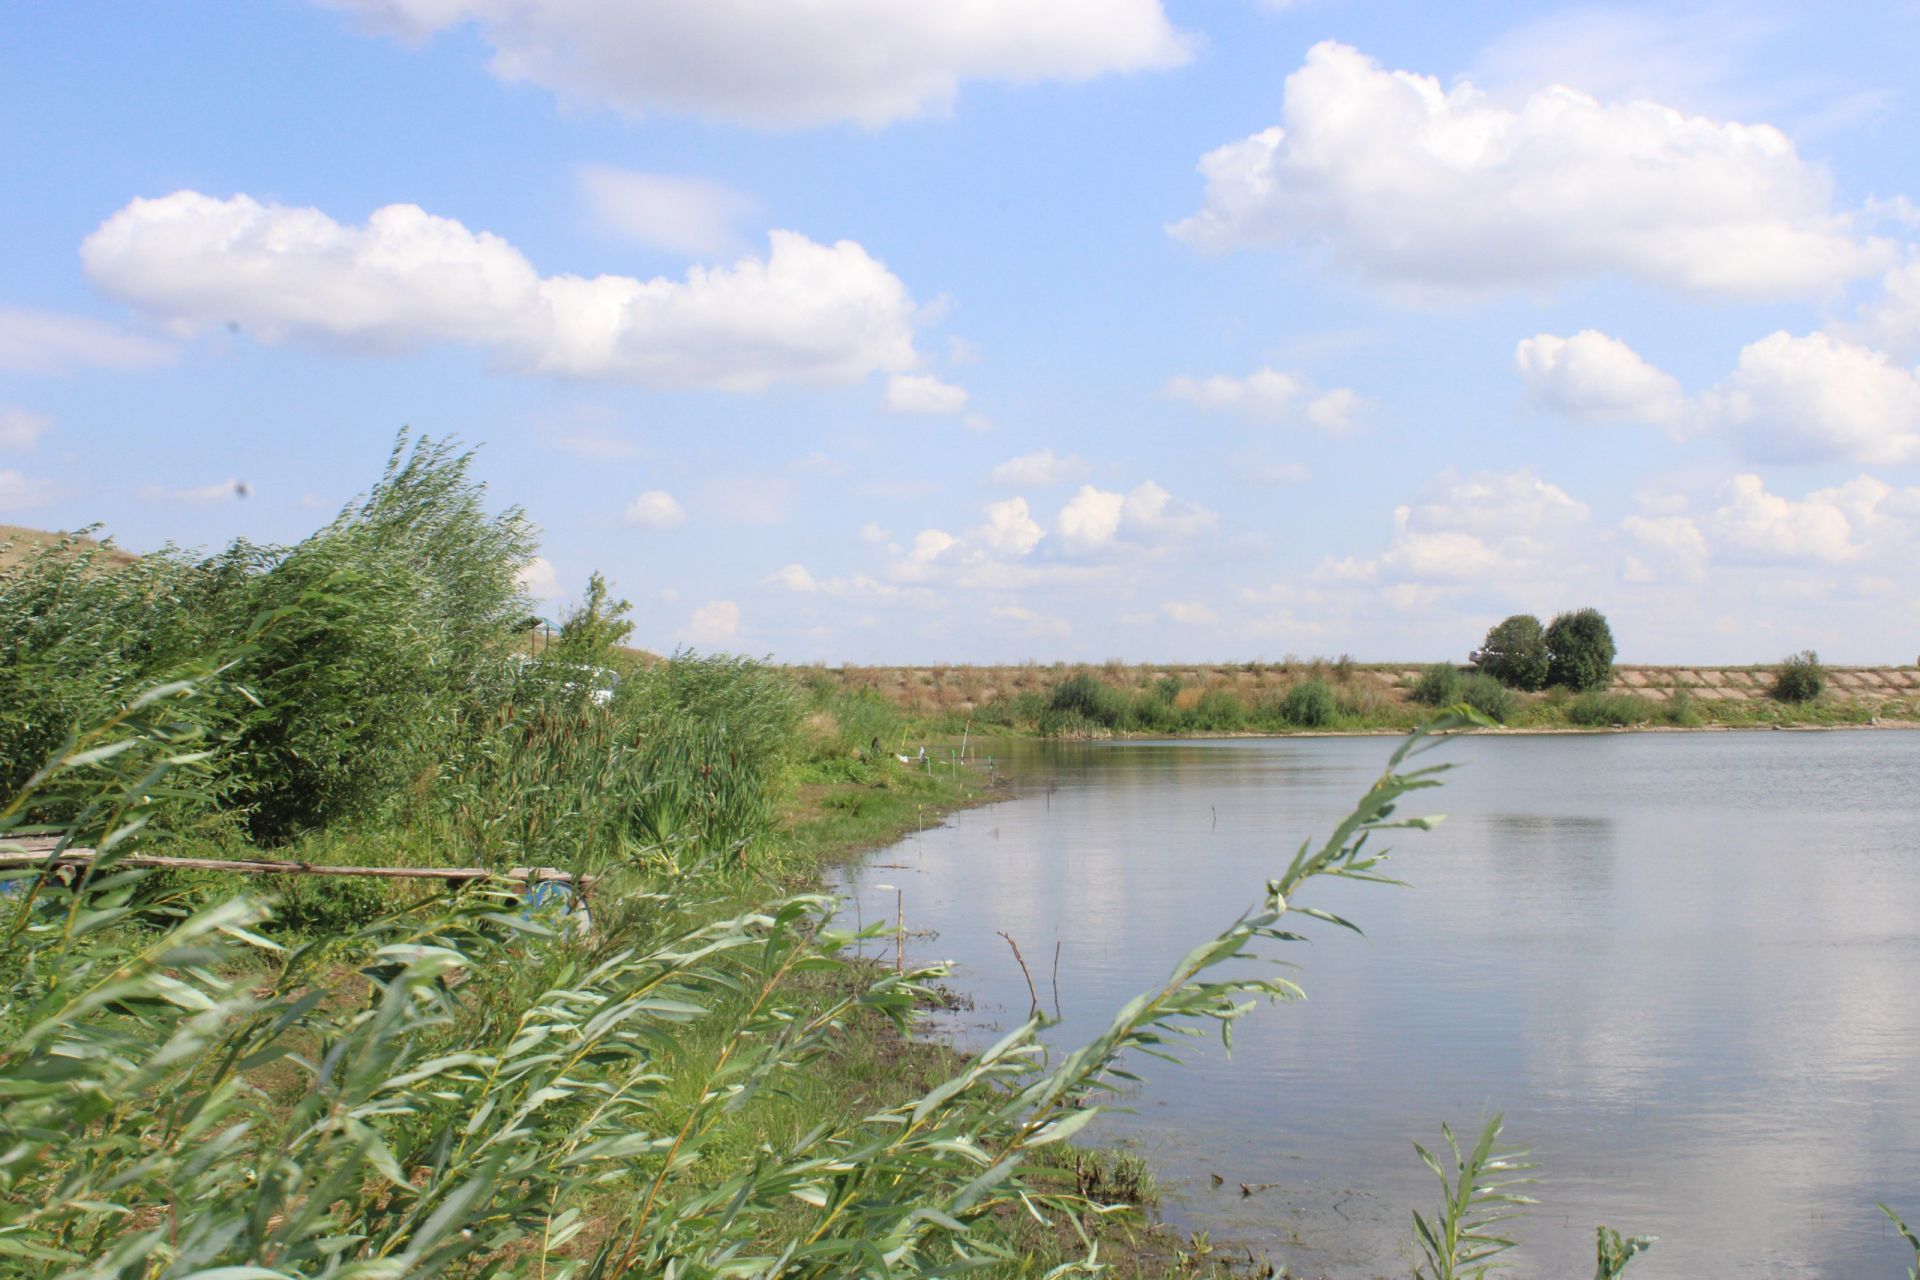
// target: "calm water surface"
[[1685, 966]]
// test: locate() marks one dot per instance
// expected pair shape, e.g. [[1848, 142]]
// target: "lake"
[[1685, 966]]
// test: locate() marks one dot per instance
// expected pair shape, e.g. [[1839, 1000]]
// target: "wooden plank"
[[34, 851]]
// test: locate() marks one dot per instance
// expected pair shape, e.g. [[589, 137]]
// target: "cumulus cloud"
[[1491, 525], [789, 66], [1666, 545], [1446, 191], [1010, 529], [50, 342], [656, 509], [1892, 322], [19, 492], [537, 578], [686, 215], [1037, 470], [1809, 398], [1268, 395], [1098, 520], [923, 393], [1756, 526], [1816, 398], [715, 622], [20, 429], [1592, 377], [807, 312]]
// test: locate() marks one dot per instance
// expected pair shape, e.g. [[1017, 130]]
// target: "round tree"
[[1580, 650], [1515, 653]]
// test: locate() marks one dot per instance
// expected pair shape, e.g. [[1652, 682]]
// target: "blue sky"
[[991, 331]]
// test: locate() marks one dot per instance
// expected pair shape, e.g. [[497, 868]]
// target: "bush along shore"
[[1340, 695], [677, 1064]]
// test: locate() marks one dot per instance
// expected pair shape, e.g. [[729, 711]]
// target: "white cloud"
[[1591, 377], [1794, 399], [692, 216], [874, 534], [793, 577], [1038, 470], [1010, 529], [1756, 526], [20, 429], [50, 342], [1446, 191], [538, 580], [1097, 520], [796, 578], [1818, 398], [807, 312], [1338, 411], [715, 622], [1190, 613], [23, 493], [656, 509], [1673, 543], [1893, 321], [1494, 525], [786, 66], [1091, 518], [923, 393], [923, 560], [198, 495], [1268, 395]]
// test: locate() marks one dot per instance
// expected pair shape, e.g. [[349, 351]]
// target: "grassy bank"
[[205, 1075], [1342, 696], [321, 1075]]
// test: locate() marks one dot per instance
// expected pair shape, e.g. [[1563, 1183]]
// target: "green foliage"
[[514, 1100], [593, 631], [1459, 1242], [1580, 650], [1679, 709], [1515, 653], [1438, 686], [1615, 1253], [1219, 711], [1907, 1234], [1487, 696], [1597, 709], [357, 651], [1308, 705], [1801, 678], [1084, 699]]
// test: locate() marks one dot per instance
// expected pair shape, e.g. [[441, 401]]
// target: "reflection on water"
[[1683, 965]]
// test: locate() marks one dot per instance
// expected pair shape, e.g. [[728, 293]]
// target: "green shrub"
[[1515, 653], [1679, 709], [1218, 711], [1580, 650], [1438, 686], [1801, 678], [1308, 705], [1089, 699], [1597, 708], [1488, 696]]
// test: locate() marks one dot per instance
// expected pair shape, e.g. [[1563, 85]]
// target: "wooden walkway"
[[34, 851]]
